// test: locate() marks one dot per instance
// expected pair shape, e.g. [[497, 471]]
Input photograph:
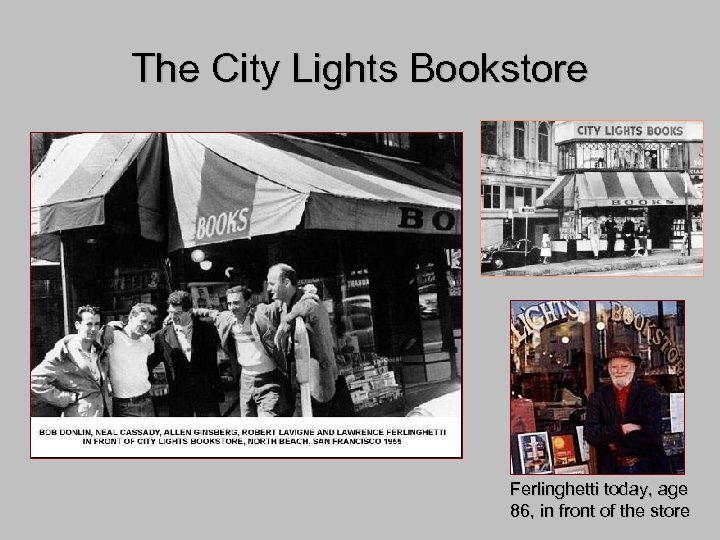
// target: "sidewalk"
[[414, 395], [659, 257]]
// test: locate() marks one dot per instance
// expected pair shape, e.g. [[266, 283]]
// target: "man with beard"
[[623, 421]]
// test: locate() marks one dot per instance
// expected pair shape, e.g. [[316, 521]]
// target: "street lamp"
[[601, 334]]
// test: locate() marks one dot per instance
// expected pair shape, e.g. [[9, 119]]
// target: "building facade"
[[634, 171], [517, 166]]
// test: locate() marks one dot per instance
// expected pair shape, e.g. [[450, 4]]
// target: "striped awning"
[[605, 189], [227, 186], [230, 186], [69, 187]]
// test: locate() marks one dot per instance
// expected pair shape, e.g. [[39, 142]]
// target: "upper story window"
[[622, 155], [488, 134], [543, 142], [491, 196], [519, 139]]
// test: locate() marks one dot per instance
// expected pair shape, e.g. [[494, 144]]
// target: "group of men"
[[109, 372], [628, 233]]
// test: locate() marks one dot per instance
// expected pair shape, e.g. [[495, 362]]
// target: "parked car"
[[510, 253]]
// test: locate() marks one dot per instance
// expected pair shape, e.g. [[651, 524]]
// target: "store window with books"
[[374, 381], [556, 362], [127, 286]]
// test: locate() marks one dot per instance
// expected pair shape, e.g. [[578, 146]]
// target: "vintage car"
[[510, 253]]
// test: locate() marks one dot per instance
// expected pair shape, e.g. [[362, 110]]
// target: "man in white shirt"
[[594, 236], [128, 356], [246, 334]]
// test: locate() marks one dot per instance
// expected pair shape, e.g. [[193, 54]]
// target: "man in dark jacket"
[[611, 235], [188, 349], [642, 233], [323, 371], [623, 421], [628, 234]]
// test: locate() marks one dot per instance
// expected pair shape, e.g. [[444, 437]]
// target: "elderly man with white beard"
[[624, 422]]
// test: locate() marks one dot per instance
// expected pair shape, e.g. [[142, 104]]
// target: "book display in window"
[[130, 286], [535, 456], [563, 449], [574, 469], [522, 416]]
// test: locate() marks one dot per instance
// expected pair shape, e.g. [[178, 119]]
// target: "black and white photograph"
[[598, 198], [246, 275]]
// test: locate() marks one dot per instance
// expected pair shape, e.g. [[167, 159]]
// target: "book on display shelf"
[[535, 456]]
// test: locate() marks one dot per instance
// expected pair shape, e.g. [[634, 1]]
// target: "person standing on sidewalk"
[[545, 249], [188, 350], [594, 236], [128, 350], [283, 286], [642, 236], [628, 234], [74, 375], [611, 235], [624, 419]]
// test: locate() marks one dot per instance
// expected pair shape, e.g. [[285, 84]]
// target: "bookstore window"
[[488, 134], [491, 196], [519, 139], [543, 142], [428, 305]]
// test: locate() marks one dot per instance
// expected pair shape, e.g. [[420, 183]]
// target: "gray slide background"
[[67, 67]]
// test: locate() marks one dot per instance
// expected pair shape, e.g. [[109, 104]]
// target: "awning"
[[69, 186], [228, 186], [231, 186], [607, 189]]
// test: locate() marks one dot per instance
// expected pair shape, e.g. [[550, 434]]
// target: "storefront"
[[379, 237], [627, 171], [556, 362]]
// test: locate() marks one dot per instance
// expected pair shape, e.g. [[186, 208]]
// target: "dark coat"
[[610, 228], [195, 383], [603, 427], [628, 229]]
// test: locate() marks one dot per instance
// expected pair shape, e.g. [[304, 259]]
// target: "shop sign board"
[[536, 317], [645, 202], [652, 332], [656, 131]]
